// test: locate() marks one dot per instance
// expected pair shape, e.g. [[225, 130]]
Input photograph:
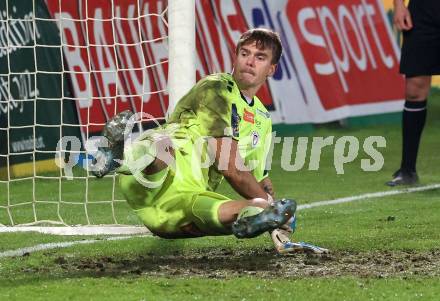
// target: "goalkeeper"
[[166, 175]]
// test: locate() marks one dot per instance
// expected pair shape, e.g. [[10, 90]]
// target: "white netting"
[[66, 67]]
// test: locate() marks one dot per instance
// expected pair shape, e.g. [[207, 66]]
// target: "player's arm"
[[263, 173], [229, 163], [402, 17]]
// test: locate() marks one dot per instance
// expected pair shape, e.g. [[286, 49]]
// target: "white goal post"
[[181, 41], [39, 47]]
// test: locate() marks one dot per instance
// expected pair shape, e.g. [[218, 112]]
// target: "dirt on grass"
[[225, 263]]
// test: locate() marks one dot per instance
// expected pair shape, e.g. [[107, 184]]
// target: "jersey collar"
[[241, 94], [244, 99]]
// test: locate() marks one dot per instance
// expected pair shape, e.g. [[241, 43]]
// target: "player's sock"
[[413, 122], [249, 211]]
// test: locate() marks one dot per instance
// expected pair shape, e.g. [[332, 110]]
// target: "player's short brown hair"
[[264, 38]]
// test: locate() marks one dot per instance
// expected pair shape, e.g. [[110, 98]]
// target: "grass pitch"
[[385, 248]]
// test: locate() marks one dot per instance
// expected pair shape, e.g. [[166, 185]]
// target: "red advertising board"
[[347, 49], [116, 57], [339, 58]]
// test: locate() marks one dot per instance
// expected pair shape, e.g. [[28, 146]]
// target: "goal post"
[[182, 57], [77, 60]]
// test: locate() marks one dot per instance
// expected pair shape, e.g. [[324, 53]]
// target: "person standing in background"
[[420, 59]]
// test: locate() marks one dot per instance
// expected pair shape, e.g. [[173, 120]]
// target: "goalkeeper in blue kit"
[[219, 129]]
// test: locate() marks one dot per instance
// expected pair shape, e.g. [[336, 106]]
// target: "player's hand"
[[402, 17], [270, 199], [267, 185]]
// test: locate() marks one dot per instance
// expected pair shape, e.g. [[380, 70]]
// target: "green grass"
[[244, 288], [406, 222]]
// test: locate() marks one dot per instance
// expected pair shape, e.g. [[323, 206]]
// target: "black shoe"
[[403, 177], [274, 216], [104, 161]]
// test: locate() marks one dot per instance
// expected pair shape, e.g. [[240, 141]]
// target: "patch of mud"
[[225, 263]]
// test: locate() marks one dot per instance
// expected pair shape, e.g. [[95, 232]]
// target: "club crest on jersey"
[[255, 138], [248, 116], [258, 124]]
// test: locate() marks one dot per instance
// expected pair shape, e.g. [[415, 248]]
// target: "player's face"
[[252, 66]]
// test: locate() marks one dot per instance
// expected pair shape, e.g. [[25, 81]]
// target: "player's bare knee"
[[417, 88]]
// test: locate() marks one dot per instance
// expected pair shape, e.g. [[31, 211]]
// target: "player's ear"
[[235, 56], [234, 60], [272, 70]]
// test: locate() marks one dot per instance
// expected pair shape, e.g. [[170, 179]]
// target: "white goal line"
[[79, 230], [58, 245]]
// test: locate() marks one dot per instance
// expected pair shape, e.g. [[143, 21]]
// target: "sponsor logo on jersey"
[[255, 138], [262, 113], [248, 116]]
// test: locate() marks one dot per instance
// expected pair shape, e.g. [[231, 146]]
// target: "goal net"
[[66, 67]]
